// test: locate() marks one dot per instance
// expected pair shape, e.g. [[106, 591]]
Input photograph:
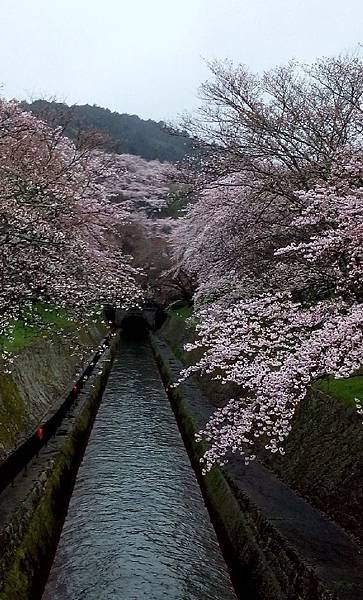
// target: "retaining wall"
[[324, 450], [32, 512], [41, 377], [278, 546]]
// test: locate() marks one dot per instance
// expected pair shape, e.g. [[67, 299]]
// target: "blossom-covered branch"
[[274, 241]]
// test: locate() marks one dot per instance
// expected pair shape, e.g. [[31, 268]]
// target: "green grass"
[[344, 390], [20, 337], [182, 313], [54, 316], [44, 320], [177, 201]]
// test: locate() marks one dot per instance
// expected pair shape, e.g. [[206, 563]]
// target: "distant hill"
[[124, 133]]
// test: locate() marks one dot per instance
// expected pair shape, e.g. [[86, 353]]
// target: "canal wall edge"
[[28, 540], [263, 565], [323, 460], [42, 375]]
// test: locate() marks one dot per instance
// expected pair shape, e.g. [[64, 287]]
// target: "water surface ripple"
[[137, 526]]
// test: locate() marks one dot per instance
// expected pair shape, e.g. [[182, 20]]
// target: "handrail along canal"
[[19, 458]]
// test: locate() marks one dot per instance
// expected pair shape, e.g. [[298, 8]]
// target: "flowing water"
[[137, 526]]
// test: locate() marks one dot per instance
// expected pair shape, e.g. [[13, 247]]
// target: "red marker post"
[[40, 433]]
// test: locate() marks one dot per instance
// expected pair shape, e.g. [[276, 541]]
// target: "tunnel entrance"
[[134, 327], [150, 314]]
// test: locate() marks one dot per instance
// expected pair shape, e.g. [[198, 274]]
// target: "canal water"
[[137, 526]]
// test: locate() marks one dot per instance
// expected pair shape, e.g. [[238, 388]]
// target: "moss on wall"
[[262, 564], [12, 410], [324, 451], [42, 375], [29, 539]]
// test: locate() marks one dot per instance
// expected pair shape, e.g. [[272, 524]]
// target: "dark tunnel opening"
[[134, 327], [136, 322]]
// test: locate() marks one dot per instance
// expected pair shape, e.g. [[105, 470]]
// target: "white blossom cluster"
[[62, 233], [279, 287]]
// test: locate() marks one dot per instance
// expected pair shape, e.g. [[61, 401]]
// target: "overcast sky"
[[147, 57]]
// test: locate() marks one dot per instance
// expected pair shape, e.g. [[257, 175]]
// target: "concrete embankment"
[[32, 511], [276, 542], [324, 451], [42, 376], [324, 459]]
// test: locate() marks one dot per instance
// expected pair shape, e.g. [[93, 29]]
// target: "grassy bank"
[[40, 321], [344, 390]]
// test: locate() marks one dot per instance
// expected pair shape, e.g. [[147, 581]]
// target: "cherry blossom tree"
[[67, 215], [273, 344], [138, 184], [60, 236], [274, 240], [292, 118], [267, 136]]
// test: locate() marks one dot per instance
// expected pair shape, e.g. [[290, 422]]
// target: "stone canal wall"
[[278, 546], [324, 459], [41, 377], [324, 451], [32, 511]]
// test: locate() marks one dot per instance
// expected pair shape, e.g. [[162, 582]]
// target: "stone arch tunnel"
[[150, 316]]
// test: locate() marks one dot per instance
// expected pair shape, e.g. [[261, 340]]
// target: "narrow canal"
[[137, 526]]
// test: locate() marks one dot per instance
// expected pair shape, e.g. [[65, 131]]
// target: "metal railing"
[[27, 450]]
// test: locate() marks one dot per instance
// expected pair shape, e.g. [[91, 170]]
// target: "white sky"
[[146, 57]]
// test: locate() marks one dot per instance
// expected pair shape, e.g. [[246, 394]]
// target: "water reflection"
[[137, 526]]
